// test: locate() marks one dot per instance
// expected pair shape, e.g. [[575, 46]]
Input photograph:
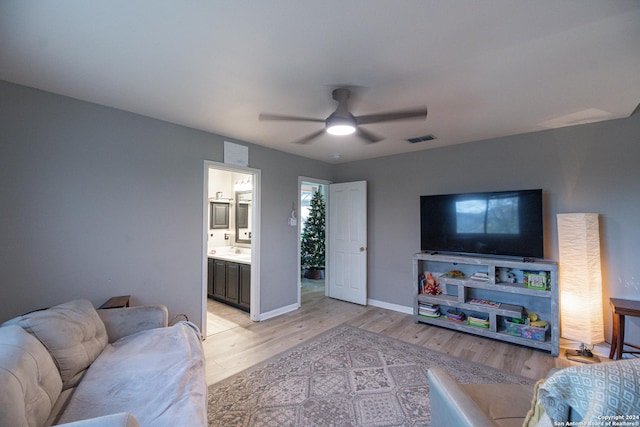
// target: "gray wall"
[[97, 202], [588, 168]]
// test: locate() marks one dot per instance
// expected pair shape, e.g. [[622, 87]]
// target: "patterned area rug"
[[343, 377]]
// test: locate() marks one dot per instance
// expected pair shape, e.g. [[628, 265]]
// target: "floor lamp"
[[581, 315]]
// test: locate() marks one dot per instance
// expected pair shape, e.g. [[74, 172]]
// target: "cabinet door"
[[233, 282], [245, 286], [219, 279], [210, 277], [219, 215]]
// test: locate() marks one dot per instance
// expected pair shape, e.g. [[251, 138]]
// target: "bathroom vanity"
[[229, 278]]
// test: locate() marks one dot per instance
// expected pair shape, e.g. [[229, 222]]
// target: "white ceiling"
[[484, 69]]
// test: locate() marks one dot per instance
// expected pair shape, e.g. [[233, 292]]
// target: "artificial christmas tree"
[[312, 246]]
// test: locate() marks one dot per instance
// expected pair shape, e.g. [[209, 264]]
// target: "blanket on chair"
[[594, 391]]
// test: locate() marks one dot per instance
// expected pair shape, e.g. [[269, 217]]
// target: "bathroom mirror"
[[243, 216]]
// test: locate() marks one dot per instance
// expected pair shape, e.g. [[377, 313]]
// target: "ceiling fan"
[[342, 122]]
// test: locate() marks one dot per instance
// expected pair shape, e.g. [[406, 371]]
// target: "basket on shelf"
[[536, 333]]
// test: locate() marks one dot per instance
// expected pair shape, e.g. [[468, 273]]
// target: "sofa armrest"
[[451, 405], [121, 322], [114, 420]]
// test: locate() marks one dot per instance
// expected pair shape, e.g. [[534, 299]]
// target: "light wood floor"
[[234, 343]]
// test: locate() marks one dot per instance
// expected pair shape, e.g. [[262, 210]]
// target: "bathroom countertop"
[[242, 258]]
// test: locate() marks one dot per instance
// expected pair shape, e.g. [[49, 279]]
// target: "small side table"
[[621, 308], [117, 302]]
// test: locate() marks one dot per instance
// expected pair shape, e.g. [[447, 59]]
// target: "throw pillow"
[[72, 332]]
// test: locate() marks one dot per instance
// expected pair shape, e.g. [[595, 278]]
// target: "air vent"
[[421, 138]]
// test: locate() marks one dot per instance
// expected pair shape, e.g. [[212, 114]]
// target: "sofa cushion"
[[121, 322], [72, 332], [505, 404], [156, 374], [30, 380]]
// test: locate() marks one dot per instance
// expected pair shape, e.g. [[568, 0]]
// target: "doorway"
[[309, 285], [231, 259], [347, 242]]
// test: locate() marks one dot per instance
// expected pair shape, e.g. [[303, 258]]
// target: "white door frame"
[[255, 236], [302, 179]]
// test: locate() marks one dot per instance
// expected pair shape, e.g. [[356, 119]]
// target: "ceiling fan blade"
[[307, 139], [416, 114], [369, 137], [268, 116]]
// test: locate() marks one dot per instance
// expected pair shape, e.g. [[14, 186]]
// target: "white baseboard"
[[394, 307], [277, 312], [375, 303]]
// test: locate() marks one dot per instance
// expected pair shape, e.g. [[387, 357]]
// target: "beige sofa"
[[476, 405], [76, 366]]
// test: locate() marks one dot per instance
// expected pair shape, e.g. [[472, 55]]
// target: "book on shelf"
[[485, 303], [428, 310], [429, 314], [478, 319], [481, 276], [455, 316], [474, 322]]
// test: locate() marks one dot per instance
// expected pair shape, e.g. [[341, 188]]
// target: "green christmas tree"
[[312, 247]]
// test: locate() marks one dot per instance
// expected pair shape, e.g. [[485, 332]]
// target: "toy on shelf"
[[429, 285], [454, 274], [505, 275]]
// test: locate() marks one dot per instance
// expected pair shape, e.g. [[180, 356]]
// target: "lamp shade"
[[581, 315]]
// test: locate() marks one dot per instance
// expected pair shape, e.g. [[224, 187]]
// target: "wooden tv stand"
[[516, 299]]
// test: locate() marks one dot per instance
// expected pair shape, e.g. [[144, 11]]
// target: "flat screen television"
[[503, 224]]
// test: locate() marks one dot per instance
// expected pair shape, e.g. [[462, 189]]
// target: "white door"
[[347, 242]]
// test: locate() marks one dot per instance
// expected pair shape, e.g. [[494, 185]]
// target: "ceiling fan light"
[[344, 129], [340, 125]]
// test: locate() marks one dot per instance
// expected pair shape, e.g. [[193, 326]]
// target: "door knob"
[[361, 248]]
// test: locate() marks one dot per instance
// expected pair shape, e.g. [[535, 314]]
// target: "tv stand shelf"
[[506, 310], [515, 299]]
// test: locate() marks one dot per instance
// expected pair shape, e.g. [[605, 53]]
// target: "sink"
[[228, 253]]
